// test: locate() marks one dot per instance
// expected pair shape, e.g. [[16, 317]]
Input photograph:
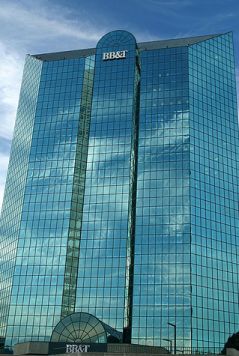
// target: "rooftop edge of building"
[[142, 46]]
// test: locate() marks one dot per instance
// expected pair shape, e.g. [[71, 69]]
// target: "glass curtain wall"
[[16, 180], [162, 241], [214, 192], [40, 260], [122, 193]]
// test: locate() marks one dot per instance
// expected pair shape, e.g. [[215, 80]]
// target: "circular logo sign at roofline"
[[116, 41]]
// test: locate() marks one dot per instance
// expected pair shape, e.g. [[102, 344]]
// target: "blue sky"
[[56, 25]]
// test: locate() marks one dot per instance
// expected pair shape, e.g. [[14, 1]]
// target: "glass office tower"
[[122, 193]]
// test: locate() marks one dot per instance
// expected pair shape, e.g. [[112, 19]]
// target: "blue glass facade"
[[122, 196], [214, 190], [162, 242]]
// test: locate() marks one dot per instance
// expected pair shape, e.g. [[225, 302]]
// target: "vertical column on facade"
[[73, 245], [132, 209], [106, 227]]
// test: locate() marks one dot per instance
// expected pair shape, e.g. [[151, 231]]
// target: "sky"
[[42, 26]]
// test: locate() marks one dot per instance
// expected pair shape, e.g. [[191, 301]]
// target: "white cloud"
[[4, 164], [45, 27], [10, 77]]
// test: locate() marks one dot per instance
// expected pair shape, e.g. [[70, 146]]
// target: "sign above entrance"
[[69, 348], [76, 348], [114, 55]]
